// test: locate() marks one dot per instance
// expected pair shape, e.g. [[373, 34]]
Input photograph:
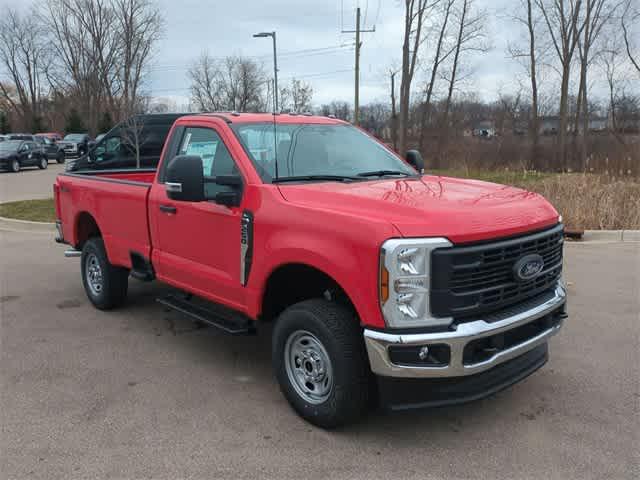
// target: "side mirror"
[[184, 180], [415, 160], [231, 197]]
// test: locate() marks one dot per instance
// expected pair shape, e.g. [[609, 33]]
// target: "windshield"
[[308, 150], [10, 145], [74, 137]]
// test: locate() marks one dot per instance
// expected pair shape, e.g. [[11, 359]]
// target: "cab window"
[[216, 159]]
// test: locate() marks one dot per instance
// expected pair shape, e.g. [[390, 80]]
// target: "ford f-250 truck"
[[383, 284]]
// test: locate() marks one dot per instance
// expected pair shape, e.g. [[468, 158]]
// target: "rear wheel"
[[15, 166], [44, 163], [320, 362], [105, 284]]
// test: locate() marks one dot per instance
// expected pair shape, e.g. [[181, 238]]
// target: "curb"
[[26, 225], [611, 236]]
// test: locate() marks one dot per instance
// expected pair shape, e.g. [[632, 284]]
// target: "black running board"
[[223, 318]]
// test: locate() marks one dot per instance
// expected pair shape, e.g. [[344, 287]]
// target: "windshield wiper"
[[303, 178], [384, 173]]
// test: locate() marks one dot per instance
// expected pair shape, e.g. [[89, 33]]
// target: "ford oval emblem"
[[528, 267]]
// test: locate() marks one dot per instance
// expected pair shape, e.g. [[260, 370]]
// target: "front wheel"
[[320, 362], [105, 284], [15, 166], [44, 163]]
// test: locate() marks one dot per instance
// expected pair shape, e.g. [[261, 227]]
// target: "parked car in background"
[[117, 148], [15, 154], [19, 136], [56, 137], [75, 144], [1, 138], [50, 148]]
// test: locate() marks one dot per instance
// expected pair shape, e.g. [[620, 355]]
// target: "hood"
[[461, 210]]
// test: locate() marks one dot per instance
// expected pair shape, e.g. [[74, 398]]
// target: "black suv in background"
[[75, 144], [50, 148], [15, 154], [142, 135]]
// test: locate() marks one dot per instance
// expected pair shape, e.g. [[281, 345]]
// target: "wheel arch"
[[293, 282], [85, 228]]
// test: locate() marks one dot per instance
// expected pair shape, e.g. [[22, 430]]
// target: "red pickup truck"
[[384, 285]]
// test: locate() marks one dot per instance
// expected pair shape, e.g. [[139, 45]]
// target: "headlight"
[[405, 271]]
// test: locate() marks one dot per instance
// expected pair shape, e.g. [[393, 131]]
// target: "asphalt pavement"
[[29, 183], [144, 393]]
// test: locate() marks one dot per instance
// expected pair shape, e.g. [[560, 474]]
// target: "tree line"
[[562, 46], [78, 61]]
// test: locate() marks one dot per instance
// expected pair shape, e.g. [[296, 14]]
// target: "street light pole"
[[275, 73], [275, 66]]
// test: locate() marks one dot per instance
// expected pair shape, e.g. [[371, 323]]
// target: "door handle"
[[168, 209]]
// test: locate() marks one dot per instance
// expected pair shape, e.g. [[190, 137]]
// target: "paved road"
[[141, 393], [31, 182]]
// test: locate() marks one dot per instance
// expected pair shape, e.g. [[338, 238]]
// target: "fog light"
[[423, 354], [434, 355]]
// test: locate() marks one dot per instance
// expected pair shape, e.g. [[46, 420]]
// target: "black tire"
[[43, 164], [60, 157], [15, 166], [339, 333], [114, 280]]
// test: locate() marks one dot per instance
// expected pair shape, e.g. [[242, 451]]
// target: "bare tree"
[[439, 57], [374, 117], [102, 50], [205, 92], [23, 57], [416, 12], [139, 25], [338, 109], [531, 55], [564, 27], [630, 17], [233, 83], [597, 14], [296, 96], [470, 36]]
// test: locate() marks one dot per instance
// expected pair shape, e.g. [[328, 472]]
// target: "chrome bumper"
[[378, 342]]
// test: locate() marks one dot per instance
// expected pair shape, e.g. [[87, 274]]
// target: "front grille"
[[478, 279]]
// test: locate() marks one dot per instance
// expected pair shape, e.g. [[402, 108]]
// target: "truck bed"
[[114, 202]]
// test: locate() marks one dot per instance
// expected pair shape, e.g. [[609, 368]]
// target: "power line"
[[296, 54], [308, 75]]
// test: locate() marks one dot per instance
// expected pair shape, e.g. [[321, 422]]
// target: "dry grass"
[[586, 201]]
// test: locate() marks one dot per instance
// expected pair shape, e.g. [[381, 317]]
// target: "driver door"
[[27, 153], [197, 244]]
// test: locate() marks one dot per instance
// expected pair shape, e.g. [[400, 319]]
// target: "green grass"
[[33, 210]]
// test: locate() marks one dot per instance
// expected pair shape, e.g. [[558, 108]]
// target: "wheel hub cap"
[[308, 367], [93, 272]]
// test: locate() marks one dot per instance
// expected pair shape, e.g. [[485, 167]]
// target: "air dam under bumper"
[[472, 347]]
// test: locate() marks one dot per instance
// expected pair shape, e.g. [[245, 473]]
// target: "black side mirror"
[[415, 160], [184, 180], [231, 197]]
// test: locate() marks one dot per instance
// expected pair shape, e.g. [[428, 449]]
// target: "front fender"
[[352, 267]]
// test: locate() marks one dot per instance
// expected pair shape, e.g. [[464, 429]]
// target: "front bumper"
[[547, 313]]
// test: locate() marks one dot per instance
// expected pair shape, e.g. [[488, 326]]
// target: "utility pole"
[[357, 31]]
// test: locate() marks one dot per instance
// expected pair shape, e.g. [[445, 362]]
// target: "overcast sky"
[[226, 27]]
